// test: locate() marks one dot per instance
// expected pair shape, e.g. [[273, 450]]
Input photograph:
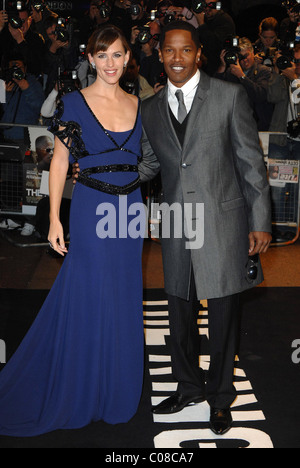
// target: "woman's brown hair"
[[103, 38]]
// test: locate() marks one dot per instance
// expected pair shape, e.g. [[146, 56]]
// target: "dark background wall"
[[247, 13]]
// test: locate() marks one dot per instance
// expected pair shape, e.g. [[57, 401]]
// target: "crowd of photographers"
[[43, 56]]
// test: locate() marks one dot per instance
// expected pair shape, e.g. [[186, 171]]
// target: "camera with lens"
[[67, 81], [169, 17], [135, 8], [13, 8], [233, 50], [37, 5], [144, 34], [285, 60], [293, 128], [163, 79], [63, 29], [199, 6], [268, 56], [13, 73], [104, 9]]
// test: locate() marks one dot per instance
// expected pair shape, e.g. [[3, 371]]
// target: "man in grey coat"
[[205, 143]]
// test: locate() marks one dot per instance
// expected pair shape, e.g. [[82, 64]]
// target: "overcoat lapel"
[[163, 106], [197, 111]]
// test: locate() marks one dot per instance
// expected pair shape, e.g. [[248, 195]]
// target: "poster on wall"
[[37, 159]]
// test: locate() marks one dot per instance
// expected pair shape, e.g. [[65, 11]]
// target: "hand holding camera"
[[13, 76]]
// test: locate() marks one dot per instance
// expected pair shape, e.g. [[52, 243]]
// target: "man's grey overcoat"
[[221, 166]]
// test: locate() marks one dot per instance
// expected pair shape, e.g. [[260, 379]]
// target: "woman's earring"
[[93, 65], [125, 64]]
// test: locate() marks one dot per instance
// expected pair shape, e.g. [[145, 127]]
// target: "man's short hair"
[[182, 26], [245, 44]]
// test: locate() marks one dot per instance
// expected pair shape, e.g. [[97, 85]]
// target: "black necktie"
[[182, 112]]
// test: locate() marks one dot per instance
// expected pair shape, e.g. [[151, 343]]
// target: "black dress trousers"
[[223, 316]]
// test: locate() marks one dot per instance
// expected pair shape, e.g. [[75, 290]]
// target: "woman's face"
[[268, 38], [111, 63]]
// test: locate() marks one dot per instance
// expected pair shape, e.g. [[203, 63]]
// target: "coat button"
[[184, 165]]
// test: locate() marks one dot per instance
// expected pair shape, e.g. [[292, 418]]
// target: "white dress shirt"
[[189, 91]]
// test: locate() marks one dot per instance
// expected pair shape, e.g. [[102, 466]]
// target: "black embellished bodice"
[[84, 136]]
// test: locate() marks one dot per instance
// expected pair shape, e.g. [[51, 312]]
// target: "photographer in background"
[[62, 50], [133, 83], [284, 93], [289, 25], [144, 41], [22, 41], [96, 15], [39, 13], [24, 99], [214, 27], [239, 66], [267, 44]]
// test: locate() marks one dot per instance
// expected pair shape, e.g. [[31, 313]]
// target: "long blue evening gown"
[[82, 359]]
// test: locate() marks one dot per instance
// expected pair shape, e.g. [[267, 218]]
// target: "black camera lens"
[[18, 74], [252, 272], [169, 18], [198, 6], [231, 58], [15, 21], [252, 267], [283, 63], [62, 35], [135, 9], [37, 5]]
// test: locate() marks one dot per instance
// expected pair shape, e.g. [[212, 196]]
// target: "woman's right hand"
[[56, 238]]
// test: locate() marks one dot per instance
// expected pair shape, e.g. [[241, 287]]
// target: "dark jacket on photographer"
[[279, 95], [22, 107], [256, 84], [212, 36], [32, 49], [63, 59], [39, 27]]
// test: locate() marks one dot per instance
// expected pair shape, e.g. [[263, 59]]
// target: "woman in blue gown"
[[82, 359]]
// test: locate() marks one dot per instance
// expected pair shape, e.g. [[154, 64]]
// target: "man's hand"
[[290, 73], [134, 34], [237, 70], [259, 242], [75, 172], [37, 16], [200, 18], [17, 34], [58, 45]]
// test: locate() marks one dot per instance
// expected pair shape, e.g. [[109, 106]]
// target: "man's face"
[[180, 56], [297, 57], [210, 12], [45, 152], [51, 32], [268, 38], [247, 59], [27, 20], [19, 64]]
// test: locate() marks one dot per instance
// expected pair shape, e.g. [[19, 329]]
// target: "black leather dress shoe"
[[220, 420], [176, 402]]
